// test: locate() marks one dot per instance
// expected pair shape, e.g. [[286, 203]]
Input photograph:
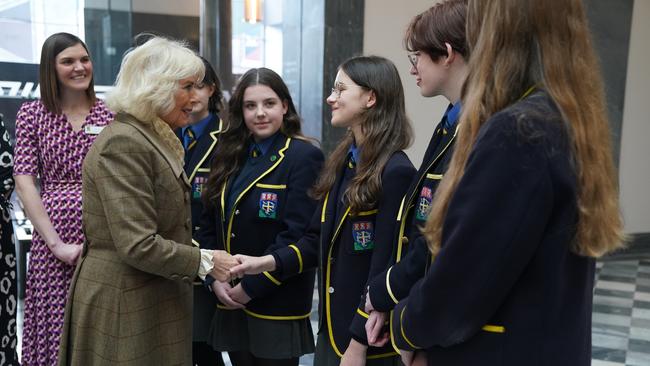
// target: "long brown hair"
[[386, 129], [230, 153], [519, 43], [443, 22], [47, 77]]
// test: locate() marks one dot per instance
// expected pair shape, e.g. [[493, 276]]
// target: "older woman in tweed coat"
[[131, 296]]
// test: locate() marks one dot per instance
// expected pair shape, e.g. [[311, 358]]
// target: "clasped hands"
[[228, 267]]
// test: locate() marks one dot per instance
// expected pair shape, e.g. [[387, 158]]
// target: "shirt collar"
[[199, 127], [452, 114], [354, 150], [263, 145]]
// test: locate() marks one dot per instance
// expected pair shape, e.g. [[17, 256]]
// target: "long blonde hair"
[[519, 43]]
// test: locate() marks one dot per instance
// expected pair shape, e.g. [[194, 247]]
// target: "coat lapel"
[[174, 163]]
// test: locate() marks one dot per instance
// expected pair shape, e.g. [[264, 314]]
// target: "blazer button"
[[330, 290], [232, 235], [236, 212], [405, 240]]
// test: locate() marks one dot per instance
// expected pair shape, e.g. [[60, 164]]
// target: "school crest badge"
[[424, 204], [363, 235], [268, 205], [197, 187]]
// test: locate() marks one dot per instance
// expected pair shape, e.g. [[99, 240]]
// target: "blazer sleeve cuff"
[[358, 327], [399, 335], [261, 284], [289, 260], [381, 292]]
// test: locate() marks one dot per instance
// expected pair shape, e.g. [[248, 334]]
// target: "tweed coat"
[[130, 301]]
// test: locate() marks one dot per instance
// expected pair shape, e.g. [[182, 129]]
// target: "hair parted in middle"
[[442, 23], [149, 77], [385, 127], [233, 143]]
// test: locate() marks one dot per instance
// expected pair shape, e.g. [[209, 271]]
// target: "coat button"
[[232, 235], [330, 290]]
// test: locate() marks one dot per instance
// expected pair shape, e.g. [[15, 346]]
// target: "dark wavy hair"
[[386, 129], [443, 22], [233, 143], [50, 88], [215, 103]]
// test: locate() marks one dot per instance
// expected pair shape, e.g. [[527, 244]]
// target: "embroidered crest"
[[363, 235], [197, 186], [268, 205], [424, 204]]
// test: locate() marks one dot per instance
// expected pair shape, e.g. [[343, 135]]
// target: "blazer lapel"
[[174, 163], [271, 160], [204, 147]]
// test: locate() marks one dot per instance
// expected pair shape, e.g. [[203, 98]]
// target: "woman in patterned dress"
[[53, 136], [8, 303]]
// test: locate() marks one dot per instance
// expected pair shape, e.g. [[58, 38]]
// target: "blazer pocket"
[[271, 201], [362, 230]]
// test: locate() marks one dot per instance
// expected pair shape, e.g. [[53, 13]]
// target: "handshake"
[[228, 267]]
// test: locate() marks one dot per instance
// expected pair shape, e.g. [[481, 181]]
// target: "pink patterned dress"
[[48, 147]]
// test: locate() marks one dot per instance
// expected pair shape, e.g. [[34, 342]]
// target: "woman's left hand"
[[355, 355], [238, 294]]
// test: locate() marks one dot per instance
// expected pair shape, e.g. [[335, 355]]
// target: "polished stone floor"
[[621, 315]]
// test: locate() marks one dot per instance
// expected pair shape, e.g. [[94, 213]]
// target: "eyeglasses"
[[339, 87], [413, 58]]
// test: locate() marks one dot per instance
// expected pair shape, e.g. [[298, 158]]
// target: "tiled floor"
[[621, 315]]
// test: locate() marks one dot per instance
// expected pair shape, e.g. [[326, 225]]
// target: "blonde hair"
[[148, 79], [519, 43]]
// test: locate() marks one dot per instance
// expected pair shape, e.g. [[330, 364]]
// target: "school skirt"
[[234, 330]]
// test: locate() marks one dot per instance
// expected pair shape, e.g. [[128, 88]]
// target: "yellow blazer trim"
[[268, 317], [494, 328], [196, 243], [254, 182], [271, 186], [390, 291], [362, 313], [401, 326], [328, 301], [273, 279], [434, 176], [223, 202], [392, 334], [203, 170], [213, 134], [389, 354], [367, 213], [322, 214], [400, 245], [401, 208], [451, 140], [295, 249]]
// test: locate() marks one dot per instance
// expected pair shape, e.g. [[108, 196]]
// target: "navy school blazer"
[[272, 212], [394, 283], [506, 288], [349, 250], [197, 166]]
